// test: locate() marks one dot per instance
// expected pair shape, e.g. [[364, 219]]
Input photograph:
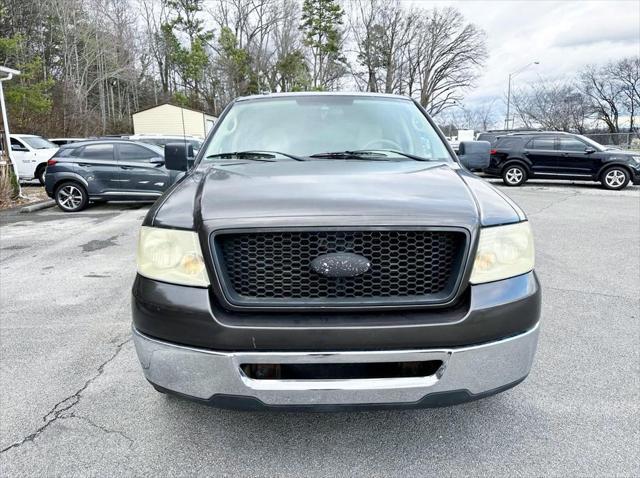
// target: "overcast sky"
[[562, 35]]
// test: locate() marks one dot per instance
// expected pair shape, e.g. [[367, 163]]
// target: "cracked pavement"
[[73, 401]]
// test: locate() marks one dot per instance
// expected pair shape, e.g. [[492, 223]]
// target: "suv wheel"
[[514, 175], [71, 197], [40, 173], [615, 178]]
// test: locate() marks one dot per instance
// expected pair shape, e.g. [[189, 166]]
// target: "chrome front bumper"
[[204, 374]]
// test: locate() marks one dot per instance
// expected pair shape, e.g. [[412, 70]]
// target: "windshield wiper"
[[254, 155], [392, 151], [366, 155]]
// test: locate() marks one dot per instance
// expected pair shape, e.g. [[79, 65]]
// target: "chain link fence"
[[618, 140]]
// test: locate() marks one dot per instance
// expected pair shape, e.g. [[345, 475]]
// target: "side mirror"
[[589, 150], [176, 156], [475, 155]]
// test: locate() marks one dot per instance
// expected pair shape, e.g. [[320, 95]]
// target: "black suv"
[[552, 155], [106, 170]]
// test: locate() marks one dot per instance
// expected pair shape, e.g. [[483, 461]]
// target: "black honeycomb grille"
[[275, 266]]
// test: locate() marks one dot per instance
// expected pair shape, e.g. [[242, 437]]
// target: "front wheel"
[[71, 197], [514, 175], [615, 178]]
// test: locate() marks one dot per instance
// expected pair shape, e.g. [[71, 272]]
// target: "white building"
[[172, 120]]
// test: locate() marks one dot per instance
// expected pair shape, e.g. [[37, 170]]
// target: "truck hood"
[[407, 191]]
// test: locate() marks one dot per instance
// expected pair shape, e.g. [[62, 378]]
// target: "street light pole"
[[506, 120], [512, 74]]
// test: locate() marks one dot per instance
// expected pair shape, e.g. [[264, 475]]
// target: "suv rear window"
[[67, 152], [98, 151], [541, 143], [492, 138], [509, 142]]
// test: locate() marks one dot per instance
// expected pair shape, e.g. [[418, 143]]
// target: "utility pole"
[[511, 75], [6, 165]]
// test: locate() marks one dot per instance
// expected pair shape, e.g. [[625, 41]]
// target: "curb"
[[38, 206]]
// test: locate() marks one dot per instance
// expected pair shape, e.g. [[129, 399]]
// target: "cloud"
[[626, 34], [564, 36]]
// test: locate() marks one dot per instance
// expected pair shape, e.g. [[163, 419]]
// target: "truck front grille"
[[273, 268]]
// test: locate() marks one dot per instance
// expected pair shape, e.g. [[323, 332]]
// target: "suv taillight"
[[52, 162], [493, 151]]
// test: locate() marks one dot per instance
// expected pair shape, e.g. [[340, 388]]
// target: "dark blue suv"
[[106, 170]]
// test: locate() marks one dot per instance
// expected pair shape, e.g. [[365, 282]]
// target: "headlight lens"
[[172, 256], [503, 252]]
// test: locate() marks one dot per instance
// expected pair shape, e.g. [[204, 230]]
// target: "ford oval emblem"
[[340, 264]]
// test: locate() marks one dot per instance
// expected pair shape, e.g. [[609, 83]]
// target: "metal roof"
[[175, 106]]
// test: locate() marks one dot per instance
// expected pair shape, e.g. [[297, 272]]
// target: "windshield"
[[311, 125], [36, 142]]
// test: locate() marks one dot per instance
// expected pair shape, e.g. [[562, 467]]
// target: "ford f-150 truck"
[[328, 250]]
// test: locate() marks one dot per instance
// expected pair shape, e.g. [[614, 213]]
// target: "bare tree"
[[481, 117], [448, 55], [382, 31], [604, 94], [626, 73], [486, 116], [557, 106]]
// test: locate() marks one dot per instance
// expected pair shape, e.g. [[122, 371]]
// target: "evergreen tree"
[[322, 28]]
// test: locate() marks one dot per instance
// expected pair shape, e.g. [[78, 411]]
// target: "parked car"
[[30, 154], [162, 140], [106, 170], [328, 250], [552, 155], [63, 141]]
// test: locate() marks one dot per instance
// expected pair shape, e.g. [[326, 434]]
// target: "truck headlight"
[[503, 252], [170, 255]]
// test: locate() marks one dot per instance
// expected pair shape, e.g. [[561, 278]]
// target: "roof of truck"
[[323, 93]]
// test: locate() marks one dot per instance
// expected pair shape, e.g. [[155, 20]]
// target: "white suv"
[[30, 154]]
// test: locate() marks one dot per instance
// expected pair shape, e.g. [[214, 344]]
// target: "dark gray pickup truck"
[[329, 251]]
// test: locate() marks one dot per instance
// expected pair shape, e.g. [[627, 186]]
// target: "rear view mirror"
[[176, 156], [474, 155]]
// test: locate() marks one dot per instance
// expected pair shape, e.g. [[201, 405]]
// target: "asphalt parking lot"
[[73, 400]]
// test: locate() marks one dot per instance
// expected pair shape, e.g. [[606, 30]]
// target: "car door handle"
[[127, 167], [84, 164]]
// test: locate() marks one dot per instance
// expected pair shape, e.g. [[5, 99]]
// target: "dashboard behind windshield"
[[306, 125]]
